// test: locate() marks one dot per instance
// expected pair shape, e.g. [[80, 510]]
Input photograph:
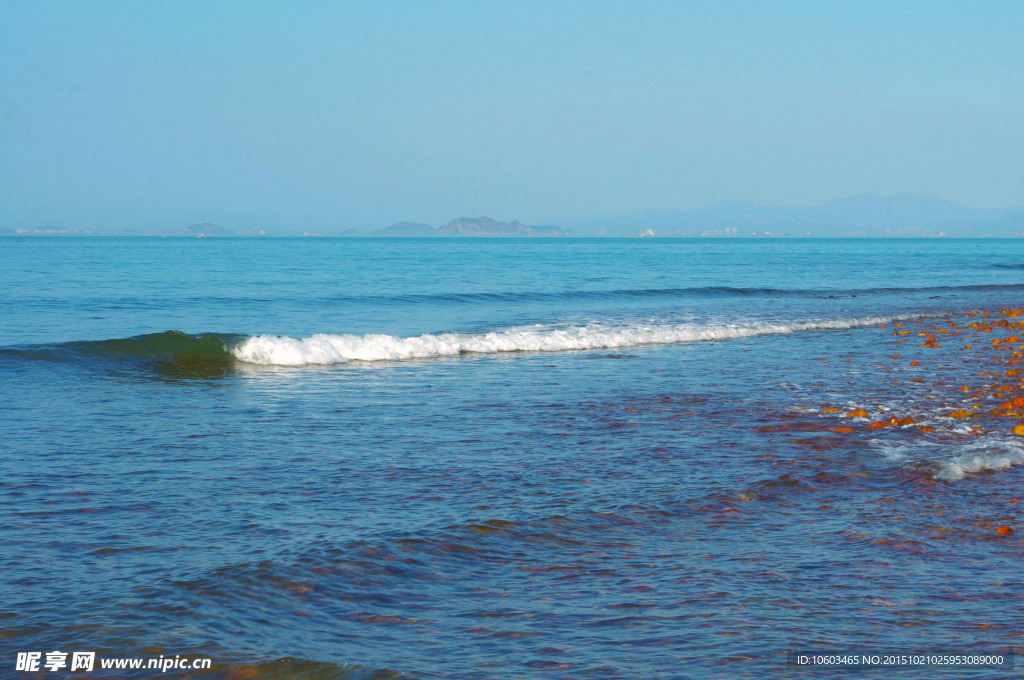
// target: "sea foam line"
[[320, 349]]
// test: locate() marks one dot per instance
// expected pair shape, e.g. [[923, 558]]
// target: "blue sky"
[[333, 115]]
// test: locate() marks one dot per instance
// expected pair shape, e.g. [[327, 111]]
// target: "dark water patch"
[[400, 572]]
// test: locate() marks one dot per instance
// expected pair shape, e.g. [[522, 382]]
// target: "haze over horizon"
[[351, 116]]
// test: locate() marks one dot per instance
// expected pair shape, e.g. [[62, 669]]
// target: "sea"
[[372, 458]]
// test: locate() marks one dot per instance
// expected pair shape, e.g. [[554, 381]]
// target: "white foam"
[[274, 350], [992, 455], [981, 456]]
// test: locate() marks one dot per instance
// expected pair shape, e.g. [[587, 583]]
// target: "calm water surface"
[[434, 458]]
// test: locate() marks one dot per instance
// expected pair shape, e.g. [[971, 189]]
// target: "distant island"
[[470, 226]]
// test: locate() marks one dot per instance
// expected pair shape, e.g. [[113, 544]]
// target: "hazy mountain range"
[[904, 215]]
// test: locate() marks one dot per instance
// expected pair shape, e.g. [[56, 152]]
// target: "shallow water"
[[507, 458]]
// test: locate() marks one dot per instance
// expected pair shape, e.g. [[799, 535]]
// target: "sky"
[[335, 115]]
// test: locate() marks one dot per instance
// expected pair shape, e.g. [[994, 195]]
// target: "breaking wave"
[[220, 350], [990, 455], [320, 349], [987, 457]]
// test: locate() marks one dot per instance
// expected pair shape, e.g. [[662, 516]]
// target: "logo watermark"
[[57, 661]]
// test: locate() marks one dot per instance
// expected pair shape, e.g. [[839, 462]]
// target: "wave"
[[987, 457], [169, 345], [508, 297], [172, 354], [321, 349], [990, 455], [213, 350], [610, 294], [629, 293]]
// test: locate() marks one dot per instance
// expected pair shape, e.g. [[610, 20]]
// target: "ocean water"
[[510, 458]]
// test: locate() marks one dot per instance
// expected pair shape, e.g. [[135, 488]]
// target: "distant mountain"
[[485, 226], [904, 215], [406, 229]]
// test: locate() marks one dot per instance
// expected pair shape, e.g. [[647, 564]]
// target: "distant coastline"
[[470, 226], [901, 216]]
